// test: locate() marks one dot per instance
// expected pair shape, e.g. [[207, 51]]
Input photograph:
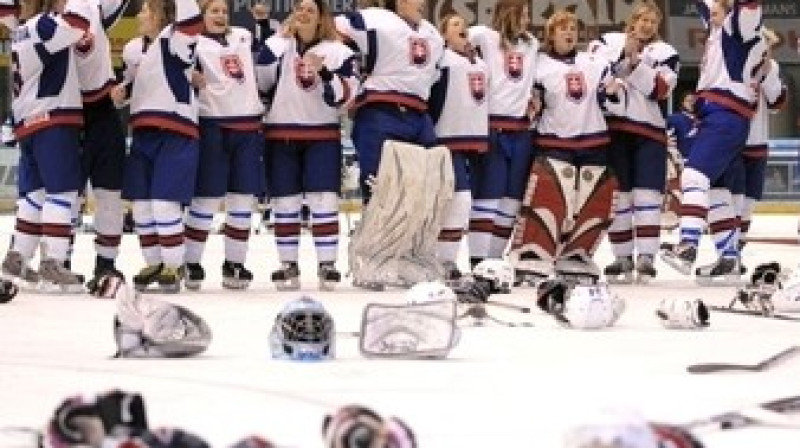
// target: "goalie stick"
[[782, 240], [772, 361], [783, 413], [756, 313]]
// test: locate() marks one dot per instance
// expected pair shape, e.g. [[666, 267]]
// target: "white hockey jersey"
[[652, 80], [304, 105], [45, 81], [732, 57], [162, 96], [400, 61], [459, 103], [772, 97], [511, 73], [572, 91], [230, 96], [93, 56]]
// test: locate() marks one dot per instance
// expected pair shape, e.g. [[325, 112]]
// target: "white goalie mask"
[[591, 307], [683, 314], [499, 273], [303, 331], [786, 299], [426, 292]]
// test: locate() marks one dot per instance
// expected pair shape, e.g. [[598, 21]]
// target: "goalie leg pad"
[[592, 211], [544, 214]]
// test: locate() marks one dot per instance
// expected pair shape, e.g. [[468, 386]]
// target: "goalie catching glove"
[[424, 328], [683, 314]]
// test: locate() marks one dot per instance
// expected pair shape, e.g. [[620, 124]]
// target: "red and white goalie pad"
[[419, 330]]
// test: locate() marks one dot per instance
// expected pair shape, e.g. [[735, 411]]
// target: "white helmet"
[[682, 313], [591, 307], [499, 273], [425, 292], [786, 299]]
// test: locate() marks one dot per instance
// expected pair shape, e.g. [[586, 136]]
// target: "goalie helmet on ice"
[[424, 327], [145, 327], [303, 331], [498, 273], [585, 307]]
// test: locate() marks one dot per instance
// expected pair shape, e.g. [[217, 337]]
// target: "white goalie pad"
[[425, 330], [396, 239]]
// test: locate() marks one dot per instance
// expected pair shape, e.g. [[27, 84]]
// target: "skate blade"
[[644, 279], [289, 285], [54, 288], [675, 263], [623, 279], [22, 284], [170, 289], [193, 285], [232, 283], [327, 285], [376, 287]]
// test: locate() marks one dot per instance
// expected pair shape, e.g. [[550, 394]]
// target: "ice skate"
[[370, 285], [620, 271], [329, 277], [169, 279], [645, 269], [451, 272], [195, 274], [103, 267], [723, 272], [287, 278], [576, 270], [236, 276], [147, 276], [524, 277], [531, 270], [680, 256], [15, 269], [57, 278]]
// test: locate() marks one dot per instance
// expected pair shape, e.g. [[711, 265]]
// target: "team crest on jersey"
[[418, 51], [515, 62], [304, 76], [232, 66], [576, 86], [477, 86]]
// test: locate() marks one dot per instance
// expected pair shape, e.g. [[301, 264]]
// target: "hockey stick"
[[778, 413], [783, 240], [762, 366], [510, 306], [756, 313]]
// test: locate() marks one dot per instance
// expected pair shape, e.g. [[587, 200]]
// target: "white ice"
[[502, 387]]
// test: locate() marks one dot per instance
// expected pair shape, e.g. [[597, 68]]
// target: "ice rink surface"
[[502, 387]]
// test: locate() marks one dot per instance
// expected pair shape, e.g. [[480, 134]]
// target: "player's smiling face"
[[306, 15], [455, 34], [147, 20], [215, 17], [411, 10], [646, 26], [565, 37]]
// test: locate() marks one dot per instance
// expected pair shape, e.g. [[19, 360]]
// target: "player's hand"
[[198, 79], [313, 62], [118, 94], [613, 86], [289, 26]]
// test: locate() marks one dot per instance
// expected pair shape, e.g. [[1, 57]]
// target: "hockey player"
[[401, 50], [103, 142], [567, 204], [499, 177], [648, 69], [725, 104], [161, 168], [462, 86], [231, 146], [772, 93], [310, 76], [47, 121]]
